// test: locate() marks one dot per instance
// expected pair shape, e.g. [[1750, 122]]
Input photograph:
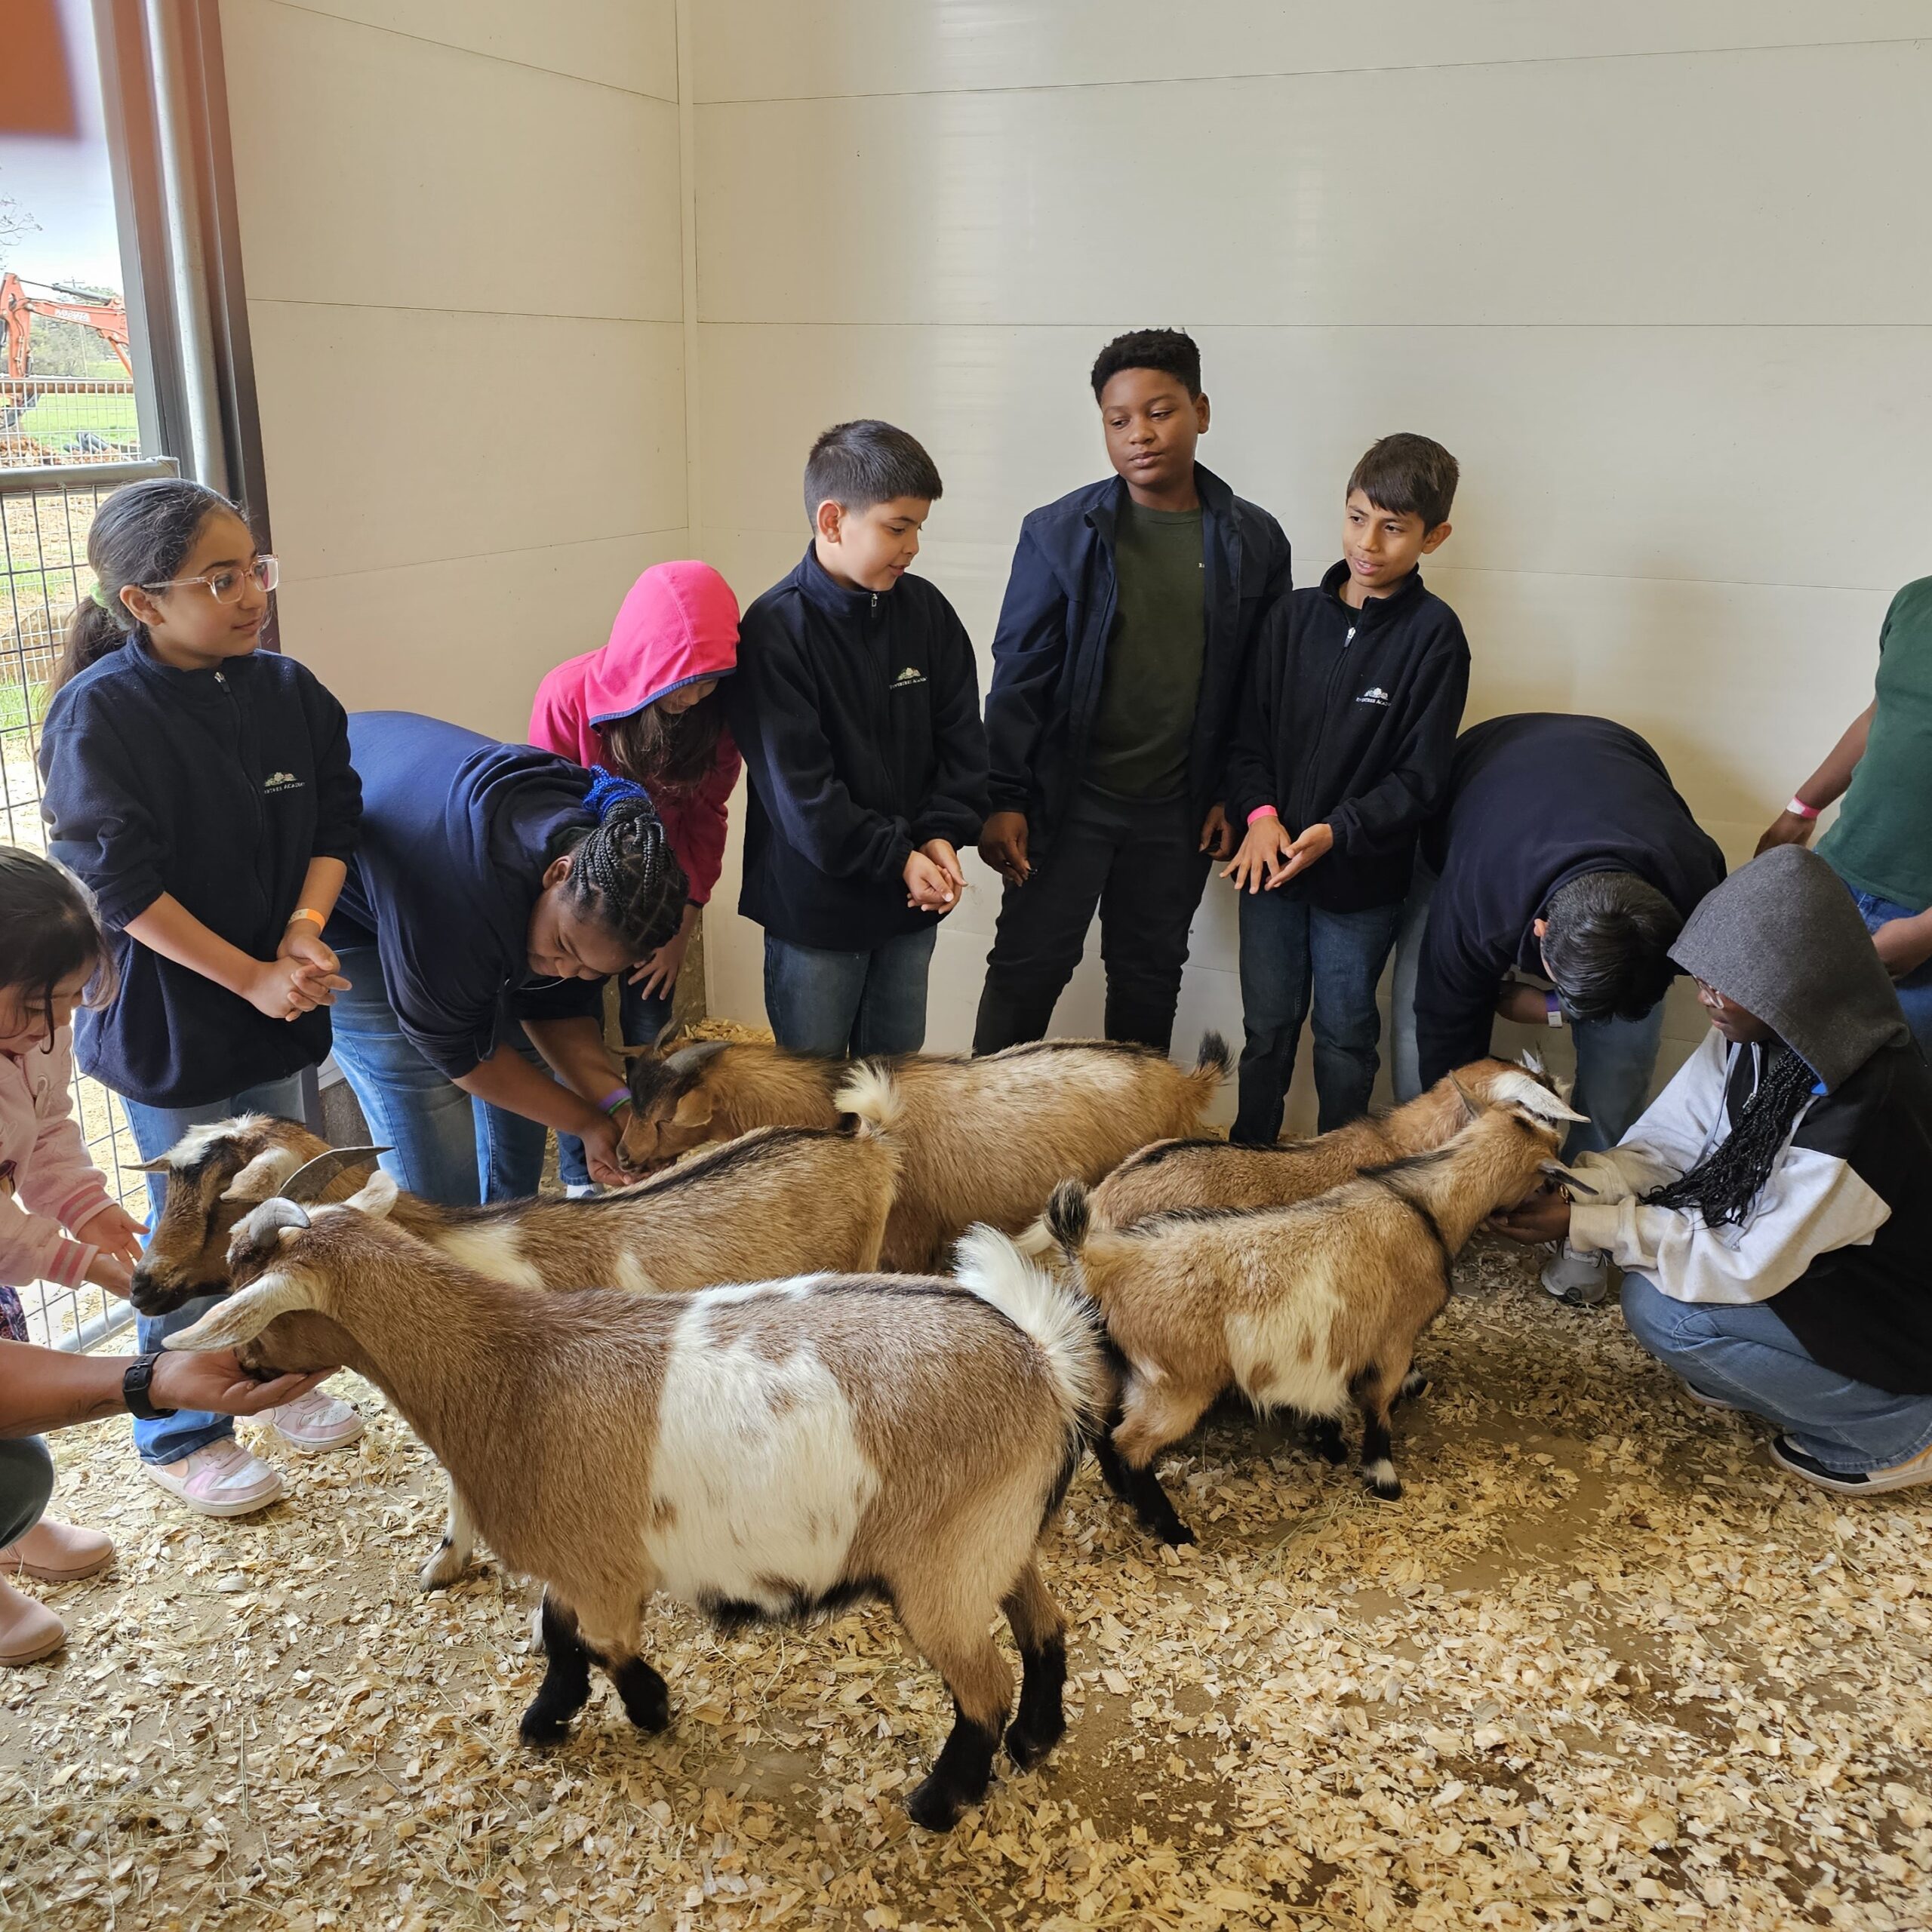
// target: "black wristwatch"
[[134, 1389]]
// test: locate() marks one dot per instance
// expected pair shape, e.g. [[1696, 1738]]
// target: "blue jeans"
[[440, 1139], [1615, 1058], [1748, 1356], [1914, 990], [1292, 953], [641, 1017], [834, 1004], [155, 1130]]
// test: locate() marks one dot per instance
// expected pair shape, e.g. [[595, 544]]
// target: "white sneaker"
[[316, 1422], [580, 1190], [1910, 1475], [222, 1480], [1582, 1280]]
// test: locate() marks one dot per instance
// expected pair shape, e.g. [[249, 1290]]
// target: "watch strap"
[[134, 1389]]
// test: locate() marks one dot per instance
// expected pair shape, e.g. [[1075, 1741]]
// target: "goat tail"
[[1213, 1058], [872, 1094], [1069, 1217], [1035, 1241], [1060, 1322]]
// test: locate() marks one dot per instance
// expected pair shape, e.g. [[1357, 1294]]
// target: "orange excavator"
[[108, 319]]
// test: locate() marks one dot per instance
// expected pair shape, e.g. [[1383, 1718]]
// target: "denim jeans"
[[641, 1017], [1139, 861], [26, 1484], [440, 1139], [1914, 990], [1615, 1058], [155, 1130], [834, 1004], [1292, 953], [1748, 1356]]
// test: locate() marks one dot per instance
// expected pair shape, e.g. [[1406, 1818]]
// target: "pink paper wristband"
[[1799, 808], [1263, 811]]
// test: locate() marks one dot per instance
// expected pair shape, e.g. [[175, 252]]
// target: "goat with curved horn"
[[307, 1181]]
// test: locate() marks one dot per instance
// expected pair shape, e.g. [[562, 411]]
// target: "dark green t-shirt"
[[1882, 841], [1152, 682]]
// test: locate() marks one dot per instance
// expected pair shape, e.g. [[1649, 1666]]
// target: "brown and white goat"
[[757, 1451], [1309, 1308], [772, 1203], [1172, 1175], [983, 1141], [713, 1090]]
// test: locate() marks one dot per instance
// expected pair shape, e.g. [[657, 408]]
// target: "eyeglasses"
[[226, 586]]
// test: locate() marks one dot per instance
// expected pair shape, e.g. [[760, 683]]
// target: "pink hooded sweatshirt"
[[678, 625], [47, 1184]]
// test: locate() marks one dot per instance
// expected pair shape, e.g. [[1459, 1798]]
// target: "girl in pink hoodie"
[[648, 707], [58, 1222]]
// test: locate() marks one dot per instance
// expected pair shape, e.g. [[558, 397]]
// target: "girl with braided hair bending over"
[[497, 888], [1772, 1210]]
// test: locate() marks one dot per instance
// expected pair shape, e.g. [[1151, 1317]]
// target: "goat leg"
[[1413, 1384], [1040, 1630], [1324, 1438], [956, 1643], [1374, 1390], [566, 1685], [646, 1695], [453, 1552]]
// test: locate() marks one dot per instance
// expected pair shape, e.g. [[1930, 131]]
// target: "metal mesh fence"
[[47, 419], [44, 518]]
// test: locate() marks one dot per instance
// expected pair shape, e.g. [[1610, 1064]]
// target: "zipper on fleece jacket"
[[1304, 791]]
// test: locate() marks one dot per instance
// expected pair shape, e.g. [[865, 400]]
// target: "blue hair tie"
[[608, 790]]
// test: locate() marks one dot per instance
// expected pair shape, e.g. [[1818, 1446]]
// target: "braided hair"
[[623, 873], [1722, 1186]]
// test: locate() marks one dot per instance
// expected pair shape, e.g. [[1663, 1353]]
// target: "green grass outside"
[[58, 419]]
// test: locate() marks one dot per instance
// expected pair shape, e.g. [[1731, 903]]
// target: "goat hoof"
[[935, 1803], [647, 1701], [1413, 1384], [1028, 1748], [1175, 1532], [1382, 1481], [543, 1727], [442, 1570]]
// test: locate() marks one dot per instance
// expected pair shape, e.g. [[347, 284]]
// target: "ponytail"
[[141, 535], [623, 873]]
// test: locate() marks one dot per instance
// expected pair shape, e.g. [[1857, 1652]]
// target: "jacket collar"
[[820, 588], [183, 687], [1218, 501], [1375, 611]]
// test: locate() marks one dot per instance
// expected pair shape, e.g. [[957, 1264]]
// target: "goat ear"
[[263, 1175], [694, 1109], [241, 1317], [1518, 1089], [1533, 1063], [1470, 1110], [1558, 1171], [159, 1164], [376, 1197]]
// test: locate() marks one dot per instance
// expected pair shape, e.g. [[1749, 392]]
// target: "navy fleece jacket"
[[217, 787], [1534, 801], [858, 713], [457, 831]]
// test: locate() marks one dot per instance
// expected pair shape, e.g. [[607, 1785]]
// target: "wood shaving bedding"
[[1602, 1665]]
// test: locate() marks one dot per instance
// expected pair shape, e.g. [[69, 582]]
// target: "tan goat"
[[713, 1090], [759, 1452], [1215, 1173], [1307, 1308], [770, 1204]]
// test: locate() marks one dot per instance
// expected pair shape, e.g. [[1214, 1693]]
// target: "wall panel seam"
[[440, 308], [293, 577], [474, 52]]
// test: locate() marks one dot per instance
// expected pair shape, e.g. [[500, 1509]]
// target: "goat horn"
[[261, 1225], [307, 1182], [688, 1059], [1558, 1171]]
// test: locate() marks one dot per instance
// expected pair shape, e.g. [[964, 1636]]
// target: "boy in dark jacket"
[[1354, 698], [1117, 667], [856, 705]]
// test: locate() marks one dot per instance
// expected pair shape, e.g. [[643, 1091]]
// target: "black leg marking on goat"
[[960, 1777], [1413, 1384], [1140, 1490], [1378, 1467], [1324, 1438], [566, 1685], [1040, 1722], [647, 1697]]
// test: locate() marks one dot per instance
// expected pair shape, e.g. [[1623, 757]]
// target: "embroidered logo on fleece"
[[1375, 694], [911, 675], [281, 781]]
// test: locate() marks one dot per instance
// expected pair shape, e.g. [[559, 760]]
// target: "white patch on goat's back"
[[629, 1273], [757, 1482], [491, 1247], [1279, 1350]]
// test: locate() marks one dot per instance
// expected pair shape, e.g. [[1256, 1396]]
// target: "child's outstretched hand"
[[114, 1231], [930, 887], [1264, 849], [109, 1271]]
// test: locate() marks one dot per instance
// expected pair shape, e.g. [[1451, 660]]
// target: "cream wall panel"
[[627, 44], [467, 640], [1763, 455], [371, 167], [785, 49], [1588, 191], [397, 436]]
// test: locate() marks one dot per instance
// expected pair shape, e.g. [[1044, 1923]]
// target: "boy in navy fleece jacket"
[[1353, 697], [856, 705]]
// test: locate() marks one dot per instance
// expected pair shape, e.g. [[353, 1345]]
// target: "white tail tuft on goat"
[[1061, 1321]]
